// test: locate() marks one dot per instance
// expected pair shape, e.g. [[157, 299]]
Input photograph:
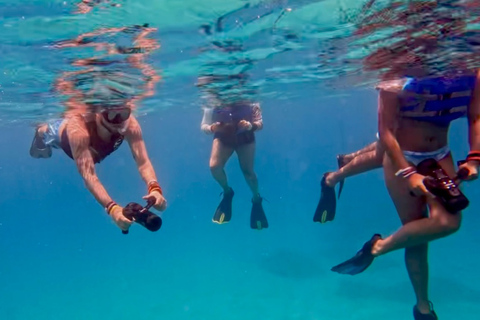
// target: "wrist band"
[[473, 156], [109, 207], [406, 172], [254, 127], [154, 186]]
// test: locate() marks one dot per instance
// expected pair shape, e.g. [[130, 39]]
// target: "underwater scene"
[[237, 159]]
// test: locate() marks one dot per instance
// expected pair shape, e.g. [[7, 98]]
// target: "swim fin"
[[38, 148], [424, 316], [328, 203], [341, 163], [223, 214], [361, 261], [258, 220]]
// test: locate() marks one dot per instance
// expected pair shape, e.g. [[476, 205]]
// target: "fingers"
[[424, 191], [123, 223], [161, 205], [472, 170], [160, 202], [473, 175], [421, 190], [429, 194]]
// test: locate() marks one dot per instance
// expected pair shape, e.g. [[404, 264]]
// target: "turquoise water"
[[62, 258]]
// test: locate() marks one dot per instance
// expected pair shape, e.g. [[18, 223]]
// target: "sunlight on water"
[[278, 42]]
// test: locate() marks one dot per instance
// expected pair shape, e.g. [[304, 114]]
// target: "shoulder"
[[207, 109], [392, 85], [256, 107], [77, 133], [133, 128], [76, 125]]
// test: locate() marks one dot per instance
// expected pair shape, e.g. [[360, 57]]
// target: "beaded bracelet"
[[154, 186], [109, 207], [473, 156], [406, 172]]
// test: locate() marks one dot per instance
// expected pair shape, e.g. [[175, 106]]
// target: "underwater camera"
[[442, 186], [142, 215]]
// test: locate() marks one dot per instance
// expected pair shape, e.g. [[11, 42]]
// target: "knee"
[[450, 223], [215, 166], [249, 174]]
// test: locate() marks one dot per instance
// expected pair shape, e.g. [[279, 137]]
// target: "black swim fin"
[[341, 163], [258, 220], [39, 149], [424, 316], [223, 214], [328, 203], [361, 261]]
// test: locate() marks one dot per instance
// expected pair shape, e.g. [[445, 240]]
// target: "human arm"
[[79, 144], [473, 158], [257, 122], [135, 140], [257, 119], [388, 103], [207, 124]]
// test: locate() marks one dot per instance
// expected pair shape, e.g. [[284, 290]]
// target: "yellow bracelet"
[[111, 208]]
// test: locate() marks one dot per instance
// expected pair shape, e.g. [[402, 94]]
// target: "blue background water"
[[62, 258]]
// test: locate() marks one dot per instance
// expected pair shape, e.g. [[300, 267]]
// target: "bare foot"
[[343, 160], [330, 179]]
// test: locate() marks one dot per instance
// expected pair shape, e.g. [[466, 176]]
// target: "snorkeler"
[[234, 125], [410, 47], [99, 118], [88, 139], [414, 117]]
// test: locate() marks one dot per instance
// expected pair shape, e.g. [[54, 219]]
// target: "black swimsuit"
[[230, 116], [99, 148]]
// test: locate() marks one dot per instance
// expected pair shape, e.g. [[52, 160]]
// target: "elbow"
[[205, 128], [385, 136], [90, 181], [381, 135], [145, 166]]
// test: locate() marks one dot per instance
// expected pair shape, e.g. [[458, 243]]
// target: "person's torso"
[[99, 148], [233, 113], [438, 100]]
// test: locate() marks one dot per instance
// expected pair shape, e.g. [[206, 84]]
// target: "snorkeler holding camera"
[[88, 139], [100, 102], [414, 116]]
